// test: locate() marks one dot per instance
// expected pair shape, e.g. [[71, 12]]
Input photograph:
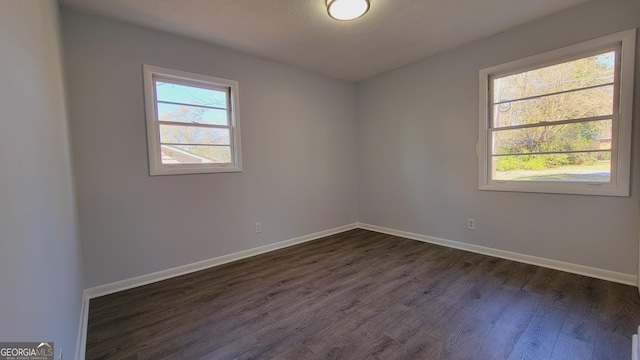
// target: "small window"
[[192, 122], [560, 122]]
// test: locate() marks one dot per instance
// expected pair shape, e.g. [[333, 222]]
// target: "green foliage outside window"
[[572, 90]]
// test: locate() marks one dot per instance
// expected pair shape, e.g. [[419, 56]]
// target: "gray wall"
[[299, 154], [40, 261], [409, 161], [418, 169]]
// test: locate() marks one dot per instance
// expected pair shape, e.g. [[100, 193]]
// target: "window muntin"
[[560, 122], [558, 78], [192, 122], [595, 101], [545, 122]]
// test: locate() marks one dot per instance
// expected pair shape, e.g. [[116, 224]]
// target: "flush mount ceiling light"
[[347, 9]]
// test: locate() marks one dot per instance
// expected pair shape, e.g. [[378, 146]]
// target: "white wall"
[[418, 169], [40, 261], [408, 162], [299, 155]]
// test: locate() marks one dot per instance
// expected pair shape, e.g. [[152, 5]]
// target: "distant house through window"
[[192, 122], [560, 122]]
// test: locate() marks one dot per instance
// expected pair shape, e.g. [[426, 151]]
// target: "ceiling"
[[300, 33]]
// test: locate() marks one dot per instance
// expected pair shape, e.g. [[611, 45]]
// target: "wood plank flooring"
[[365, 295]]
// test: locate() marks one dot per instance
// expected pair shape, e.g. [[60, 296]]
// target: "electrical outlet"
[[471, 224], [258, 227]]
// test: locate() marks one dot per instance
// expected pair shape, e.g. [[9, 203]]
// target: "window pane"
[[185, 154], [190, 95], [577, 74], [191, 114], [566, 106], [193, 135], [589, 135], [581, 167]]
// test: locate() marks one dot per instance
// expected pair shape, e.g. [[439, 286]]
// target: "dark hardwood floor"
[[362, 294]]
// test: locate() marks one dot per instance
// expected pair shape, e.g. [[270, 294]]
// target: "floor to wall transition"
[[362, 294]]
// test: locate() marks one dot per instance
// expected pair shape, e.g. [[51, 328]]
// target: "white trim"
[[81, 343], [638, 282], [620, 169], [121, 285], [156, 167], [627, 279], [117, 286]]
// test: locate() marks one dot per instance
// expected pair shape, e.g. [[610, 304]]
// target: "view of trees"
[[546, 118], [579, 90], [175, 104]]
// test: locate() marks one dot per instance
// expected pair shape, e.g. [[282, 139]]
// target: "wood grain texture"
[[365, 295]]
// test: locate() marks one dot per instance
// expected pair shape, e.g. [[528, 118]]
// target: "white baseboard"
[[81, 343], [205, 264], [117, 286], [608, 275]]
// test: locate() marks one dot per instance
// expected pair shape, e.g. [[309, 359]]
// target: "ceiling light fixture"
[[347, 9]]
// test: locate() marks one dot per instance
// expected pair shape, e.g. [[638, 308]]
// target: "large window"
[[192, 122], [560, 122]]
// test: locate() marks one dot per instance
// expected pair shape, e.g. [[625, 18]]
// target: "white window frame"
[[156, 167], [622, 119]]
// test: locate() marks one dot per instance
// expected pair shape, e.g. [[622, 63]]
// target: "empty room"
[[320, 179]]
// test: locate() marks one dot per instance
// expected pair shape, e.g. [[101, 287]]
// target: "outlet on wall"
[[258, 227], [471, 224]]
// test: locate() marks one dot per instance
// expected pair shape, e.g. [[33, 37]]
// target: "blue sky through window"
[[190, 95]]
